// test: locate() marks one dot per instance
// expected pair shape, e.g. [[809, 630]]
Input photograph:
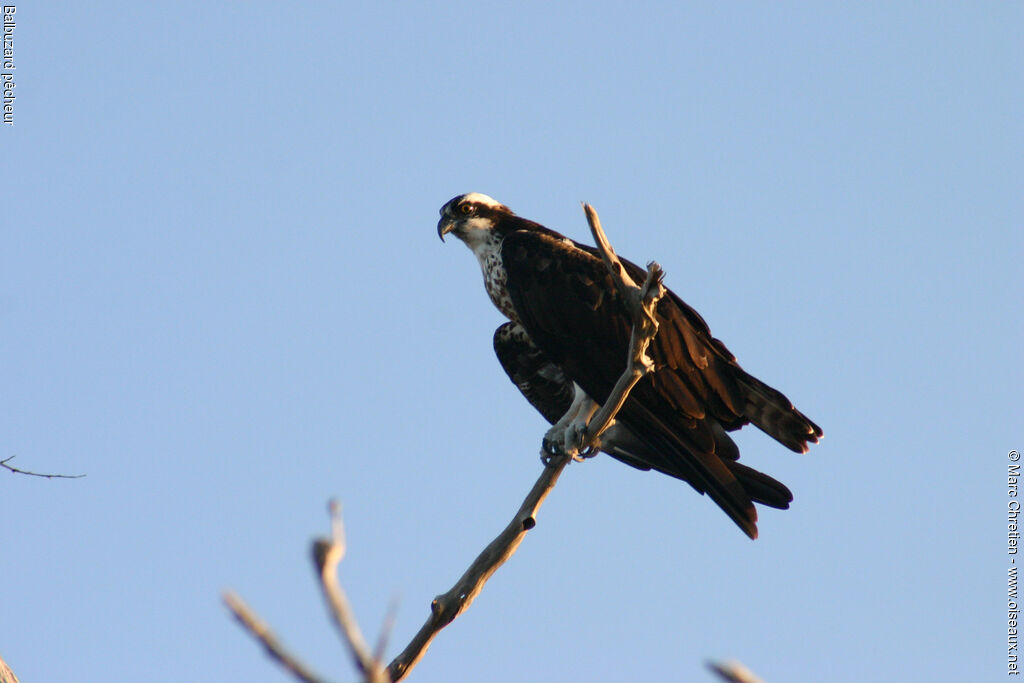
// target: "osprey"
[[566, 345]]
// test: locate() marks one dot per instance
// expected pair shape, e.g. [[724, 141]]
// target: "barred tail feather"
[[775, 415]]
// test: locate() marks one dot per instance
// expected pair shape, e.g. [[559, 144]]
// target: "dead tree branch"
[[446, 607], [327, 554], [734, 672], [6, 675], [641, 301], [261, 632], [15, 470]]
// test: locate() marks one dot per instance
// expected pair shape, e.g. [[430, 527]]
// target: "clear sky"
[[222, 297]]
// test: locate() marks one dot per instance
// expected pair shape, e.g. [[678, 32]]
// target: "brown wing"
[[571, 310], [550, 391]]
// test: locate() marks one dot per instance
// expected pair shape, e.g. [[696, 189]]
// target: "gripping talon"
[[569, 434], [549, 451]]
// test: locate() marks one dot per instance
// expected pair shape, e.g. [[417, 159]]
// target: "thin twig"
[[327, 554], [15, 470], [261, 631], [385, 630], [640, 301]]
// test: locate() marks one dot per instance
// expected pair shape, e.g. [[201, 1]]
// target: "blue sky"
[[223, 298]]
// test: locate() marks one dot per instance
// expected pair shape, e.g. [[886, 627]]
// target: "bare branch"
[[446, 607], [641, 302], [6, 675], [327, 554], [15, 470], [385, 630], [734, 672], [261, 631]]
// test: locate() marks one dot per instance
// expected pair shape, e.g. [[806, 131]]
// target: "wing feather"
[[550, 391], [572, 311]]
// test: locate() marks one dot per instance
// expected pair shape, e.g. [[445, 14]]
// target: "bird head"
[[470, 217]]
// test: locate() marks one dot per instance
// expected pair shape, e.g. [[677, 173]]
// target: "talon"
[[550, 450], [579, 434], [568, 435]]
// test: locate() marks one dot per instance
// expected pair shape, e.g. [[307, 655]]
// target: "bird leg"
[[566, 437]]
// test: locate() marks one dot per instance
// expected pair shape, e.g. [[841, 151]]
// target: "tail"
[[733, 486], [773, 414], [760, 487], [710, 467]]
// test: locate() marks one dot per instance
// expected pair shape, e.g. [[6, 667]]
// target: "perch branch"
[[640, 302], [446, 607], [15, 470], [261, 631]]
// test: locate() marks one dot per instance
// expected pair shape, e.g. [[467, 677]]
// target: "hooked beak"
[[445, 226]]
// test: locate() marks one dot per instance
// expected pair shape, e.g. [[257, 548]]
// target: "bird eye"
[[466, 209]]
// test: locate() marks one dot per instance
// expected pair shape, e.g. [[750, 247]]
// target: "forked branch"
[[327, 554]]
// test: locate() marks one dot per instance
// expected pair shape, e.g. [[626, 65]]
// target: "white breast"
[[488, 254]]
